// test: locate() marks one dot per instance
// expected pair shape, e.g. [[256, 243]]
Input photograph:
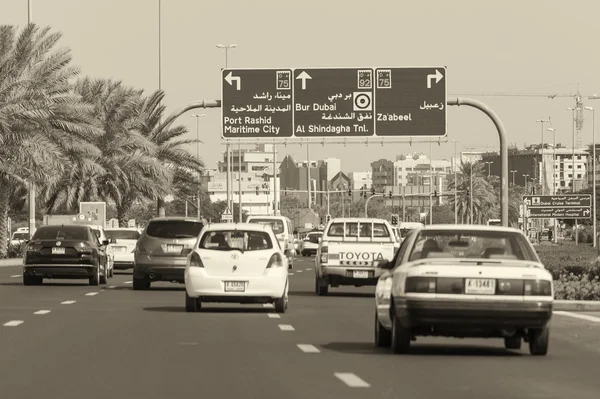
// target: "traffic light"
[[373, 190], [327, 218], [468, 192], [394, 220], [257, 190], [435, 193], [363, 192], [390, 194], [349, 192]]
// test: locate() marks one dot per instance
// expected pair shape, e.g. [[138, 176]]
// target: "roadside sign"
[[227, 216], [333, 102], [565, 206]]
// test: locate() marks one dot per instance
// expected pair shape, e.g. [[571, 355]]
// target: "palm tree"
[[42, 122], [483, 195]]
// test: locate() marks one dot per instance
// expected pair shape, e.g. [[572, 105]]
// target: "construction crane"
[[578, 106]]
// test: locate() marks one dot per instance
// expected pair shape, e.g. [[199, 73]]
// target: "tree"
[[472, 176], [42, 122], [443, 214]]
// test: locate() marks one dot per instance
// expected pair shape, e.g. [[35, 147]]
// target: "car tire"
[[512, 343], [383, 337], [281, 304], [538, 341], [192, 305], [322, 286], [95, 279], [140, 284], [104, 278], [33, 280], [401, 337]]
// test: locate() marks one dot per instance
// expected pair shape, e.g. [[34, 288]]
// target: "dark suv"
[[158, 255], [65, 252]]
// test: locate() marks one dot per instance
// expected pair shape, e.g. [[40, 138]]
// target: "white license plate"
[[174, 248], [235, 286], [119, 249], [58, 250], [480, 286], [360, 274]]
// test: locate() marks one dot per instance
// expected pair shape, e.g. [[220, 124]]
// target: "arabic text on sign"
[[267, 96], [439, 106], [260, 108]]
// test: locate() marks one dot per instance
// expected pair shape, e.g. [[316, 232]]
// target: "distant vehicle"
[[405, 227], [284, 230], [236, 263], [464, 281], [122, 244], [158, 254], [19, 237], [65, 252], [494, 222], [101, 234], [311, 243]]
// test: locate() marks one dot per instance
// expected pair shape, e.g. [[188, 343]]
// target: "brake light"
[[324, 254], [537, 287], [421, 284], [83, 248], [275, 261], [195, 260]]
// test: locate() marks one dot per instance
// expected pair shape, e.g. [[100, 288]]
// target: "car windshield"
[[276, 225], [314, 237], [122, 234], [61, 233], [20, 236], [472, 244], [174, 229], [227, 240]]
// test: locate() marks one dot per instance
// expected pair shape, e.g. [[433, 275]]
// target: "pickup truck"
[[349, 250]]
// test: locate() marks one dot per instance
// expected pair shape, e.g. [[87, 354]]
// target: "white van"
[[284, 231]]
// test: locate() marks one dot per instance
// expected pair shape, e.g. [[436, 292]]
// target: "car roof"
[[267, 217], [354, 220], [92, 226], [121, 229], [62, 226], [175, 218], [469, 227], [238, 226]]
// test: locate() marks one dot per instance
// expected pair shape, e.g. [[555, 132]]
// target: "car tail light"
[[275, 261], [195, 260], [421, 284], [83, 248], [509, 287], [324, 253], [537, 287]]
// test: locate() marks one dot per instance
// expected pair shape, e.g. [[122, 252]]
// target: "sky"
[[545, 46]]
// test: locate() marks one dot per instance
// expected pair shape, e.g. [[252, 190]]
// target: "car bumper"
[[346, 276], [57, 271], [476, 313], [123, 261], [269, 286], [159, 268]]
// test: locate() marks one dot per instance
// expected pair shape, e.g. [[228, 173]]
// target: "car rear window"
[[276, 224], [363, 230], [122, 234], [472, 245], [174, 229], [20, 236], [61, 233], [314, 238], [227, 240]]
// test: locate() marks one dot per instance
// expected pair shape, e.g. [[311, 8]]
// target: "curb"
[[11, 262], [577, 306]]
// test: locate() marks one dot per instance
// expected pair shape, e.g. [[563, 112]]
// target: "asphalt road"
[[66, 340]]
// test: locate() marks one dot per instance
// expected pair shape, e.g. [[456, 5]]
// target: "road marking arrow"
[[438, 76], [230, 78], [303, 76]]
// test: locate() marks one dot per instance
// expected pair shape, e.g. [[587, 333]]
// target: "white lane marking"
[[16, 275], [308, 269], [290, 274], [299, 271], [13, 323], [112, 286], [274, 316], [352, 380], [308, 348], [42, 312], [286, 327], [578, 316], [91, 293], [128, 282], [67, 302]]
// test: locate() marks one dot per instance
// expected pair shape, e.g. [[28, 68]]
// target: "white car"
[[311, 243], [110, 260], [236, 263], [466, 282], [122, 244]]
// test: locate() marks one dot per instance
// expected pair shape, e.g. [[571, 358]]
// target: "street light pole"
[[197, 116], [31, 183], [513, 176], [593, 173], [455, 183], [430, 182], [488, 165], [576, 232], [554, 190]]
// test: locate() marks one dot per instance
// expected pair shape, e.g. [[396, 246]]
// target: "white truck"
[[348, 252]]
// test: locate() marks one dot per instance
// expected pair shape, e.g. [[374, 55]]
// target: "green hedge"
[[15, 251]]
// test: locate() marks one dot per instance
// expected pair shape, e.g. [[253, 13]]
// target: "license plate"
[[174, 248], [360, 274], [479, 286], [58, 250], [235, 286], [119, 249]]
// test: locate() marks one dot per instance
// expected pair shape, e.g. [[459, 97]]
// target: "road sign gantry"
[[562, 206], [333, 102]]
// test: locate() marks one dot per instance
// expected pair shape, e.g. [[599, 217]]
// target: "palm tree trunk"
[[123, 209], [4, 204], [160, 207]]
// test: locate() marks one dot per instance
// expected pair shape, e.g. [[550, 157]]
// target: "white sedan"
[[465, 282], [236, 263]]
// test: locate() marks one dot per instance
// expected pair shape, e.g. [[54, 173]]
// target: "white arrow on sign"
[[586, 212], [438, 76], [230, 78], [303, 76]]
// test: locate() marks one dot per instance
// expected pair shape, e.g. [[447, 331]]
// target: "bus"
[[494, 222]]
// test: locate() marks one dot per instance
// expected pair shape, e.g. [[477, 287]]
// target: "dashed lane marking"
[[112, 286], [13, 323], [307, 269], [42, 312], [352, 380], [578, 316], [274, 316], [290, 274], [67, 302], [128, 282], [308, 348], [16, 275], [286, 327], [299, 271], [91, 293]]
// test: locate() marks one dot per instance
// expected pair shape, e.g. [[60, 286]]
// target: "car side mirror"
[[384, 264], [105, 242], [186, 251]]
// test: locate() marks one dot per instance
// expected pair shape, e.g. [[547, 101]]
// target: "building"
[[410, 168], [591, 175], [257, 192], [295, 176], [259, 160], [382, 174]]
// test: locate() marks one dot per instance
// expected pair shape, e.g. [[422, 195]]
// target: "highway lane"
[[119, 342]]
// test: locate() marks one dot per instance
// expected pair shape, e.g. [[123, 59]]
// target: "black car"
[[65, 252]]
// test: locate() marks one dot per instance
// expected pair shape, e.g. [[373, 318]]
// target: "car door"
[[101, 249]]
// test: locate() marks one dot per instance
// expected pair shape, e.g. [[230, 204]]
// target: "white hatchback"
[[236, 263]]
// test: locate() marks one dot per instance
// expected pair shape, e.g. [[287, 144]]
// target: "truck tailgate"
[[359, 253]]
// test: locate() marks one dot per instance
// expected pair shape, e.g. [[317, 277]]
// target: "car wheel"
[[281, 304], [140, 284], [400, 337], [95, 279], [538, 341], [33, 280], [104, 278], [192, 304], [512, 342], [322, 287], [383, 337]]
